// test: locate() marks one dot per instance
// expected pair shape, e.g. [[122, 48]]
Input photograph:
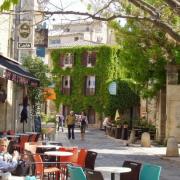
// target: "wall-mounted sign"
[[112, 88], [24, 45], [24, 30], [41, 38]]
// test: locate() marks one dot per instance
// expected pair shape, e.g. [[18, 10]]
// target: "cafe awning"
[[12, 70]]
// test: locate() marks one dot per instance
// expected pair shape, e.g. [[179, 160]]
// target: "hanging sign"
[[112, 88], [24, 30]]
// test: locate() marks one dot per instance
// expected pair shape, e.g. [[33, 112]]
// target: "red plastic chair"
[[82, 157]]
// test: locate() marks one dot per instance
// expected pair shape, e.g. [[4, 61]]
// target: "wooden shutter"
[[84, 58], [85, 87], [62, 84], [70, 83], [73, 58], [61, 60], [93, 58]]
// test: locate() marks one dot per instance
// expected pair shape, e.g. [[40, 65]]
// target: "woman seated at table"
[[8, 162]]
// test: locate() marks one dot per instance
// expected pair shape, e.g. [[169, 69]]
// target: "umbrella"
[[117, 115], [24, 113]]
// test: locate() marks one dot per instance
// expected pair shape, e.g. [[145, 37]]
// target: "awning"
[[12, 70]]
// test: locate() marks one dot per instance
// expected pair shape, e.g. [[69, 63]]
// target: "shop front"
[[14, 81]]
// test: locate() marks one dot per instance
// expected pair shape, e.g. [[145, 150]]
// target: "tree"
[[40, 71], [164, 14], [6, 4]]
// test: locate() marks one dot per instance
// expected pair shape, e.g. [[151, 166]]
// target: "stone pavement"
[[112, 152]]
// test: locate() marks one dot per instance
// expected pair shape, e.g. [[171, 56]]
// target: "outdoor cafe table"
[[113, 170], [47, 146]]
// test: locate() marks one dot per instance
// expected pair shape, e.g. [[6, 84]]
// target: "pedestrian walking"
[[106, 123], [60, 121], [70, 120], [83, 124]]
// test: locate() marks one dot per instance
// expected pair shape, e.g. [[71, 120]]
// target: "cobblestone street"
[[112, 152]]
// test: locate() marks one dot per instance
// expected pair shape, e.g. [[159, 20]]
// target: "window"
[[90, 86], [89, 59], [66, 60], [66, 81], [54, 41], [66, 85]]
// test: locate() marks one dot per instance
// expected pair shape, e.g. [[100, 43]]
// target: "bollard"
[[145, 140], [172, 147]]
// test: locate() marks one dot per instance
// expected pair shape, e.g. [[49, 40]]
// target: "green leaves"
[[6, 5]]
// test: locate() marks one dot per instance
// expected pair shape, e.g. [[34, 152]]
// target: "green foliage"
[[6, 5], [40, 71], [144, 54], [126, 98], [48, 118], [106, 70]]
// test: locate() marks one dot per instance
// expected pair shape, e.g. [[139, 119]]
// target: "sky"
[[55, 5]]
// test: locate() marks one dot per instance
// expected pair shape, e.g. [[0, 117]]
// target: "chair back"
[[90, 160], [149, 172], [32, 137], [23, 139], [76, 172], [73, 158], [135, 170], [11, 132], [39, 170], [93, 175], [82, 157]]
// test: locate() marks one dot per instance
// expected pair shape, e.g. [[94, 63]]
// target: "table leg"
[[112, 176]]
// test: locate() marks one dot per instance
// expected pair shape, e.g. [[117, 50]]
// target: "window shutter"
[[70, 83], [93, 58], [85, 87], [84, 59], [61, 60], [73, 55], [62, 84]]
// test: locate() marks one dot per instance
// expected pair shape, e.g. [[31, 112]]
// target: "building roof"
[[62, 33], [77, 43]]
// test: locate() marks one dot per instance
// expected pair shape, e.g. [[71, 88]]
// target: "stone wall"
[[173, 111]]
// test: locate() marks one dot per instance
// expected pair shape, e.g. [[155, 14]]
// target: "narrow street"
[[112, 152]]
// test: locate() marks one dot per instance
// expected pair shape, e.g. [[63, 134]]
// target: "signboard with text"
[[24, 45]]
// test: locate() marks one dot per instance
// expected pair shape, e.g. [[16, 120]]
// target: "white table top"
[[48, 146], [31, 132], [58, 153], [113, 169], [8, 135]]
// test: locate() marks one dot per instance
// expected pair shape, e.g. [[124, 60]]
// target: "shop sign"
[[41, 38], [24, 30], [24, 45], [112, 88], [20, 79]]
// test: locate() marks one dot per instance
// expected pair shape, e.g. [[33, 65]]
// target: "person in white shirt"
[[8, 162], [106, 123]]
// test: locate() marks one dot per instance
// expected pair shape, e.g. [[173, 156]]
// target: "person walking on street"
[[70, 120], [83, 124], [60, 121]]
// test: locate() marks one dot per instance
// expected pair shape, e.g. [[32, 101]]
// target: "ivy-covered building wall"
[[82, 75]]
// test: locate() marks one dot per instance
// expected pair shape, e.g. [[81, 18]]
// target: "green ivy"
[[105, 70]]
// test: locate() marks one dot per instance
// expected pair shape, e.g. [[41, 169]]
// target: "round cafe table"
[[113, 170], [58, 153]]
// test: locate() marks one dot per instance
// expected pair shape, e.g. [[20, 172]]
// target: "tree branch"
[[175, 5], [145, 6]]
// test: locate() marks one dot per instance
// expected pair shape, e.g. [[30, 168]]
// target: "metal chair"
[[93, 175], [135, 170], [76, 173], [90, 160], [149, 172]]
